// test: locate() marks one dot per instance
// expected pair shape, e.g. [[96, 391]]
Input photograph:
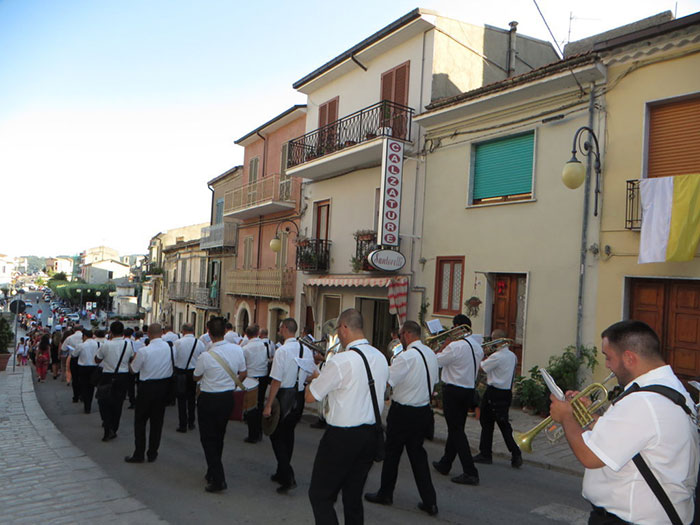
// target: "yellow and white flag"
[[670, 218]]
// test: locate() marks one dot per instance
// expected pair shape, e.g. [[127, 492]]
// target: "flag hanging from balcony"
[[398, 296], [670, 218]]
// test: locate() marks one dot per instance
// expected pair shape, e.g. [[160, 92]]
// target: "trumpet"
[[582, 413], [490, 347], [456, 332]]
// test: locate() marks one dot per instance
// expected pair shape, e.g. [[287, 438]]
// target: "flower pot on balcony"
[[371, 136], [4, 358], [349, 143]]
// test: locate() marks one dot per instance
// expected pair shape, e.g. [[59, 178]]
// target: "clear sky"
[[114, 114]]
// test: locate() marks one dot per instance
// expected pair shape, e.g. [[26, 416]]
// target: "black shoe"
[[286, 487], [133, 459], [250, 440], [464, 479], [191, 426], [318, 424], [76, 400], [516, 461], [181, 429], [431, 510], [211, 487], [378, 497], [152, 457], [276, 478], [480, 458], [109, 435], [442, 469], [87, 411]]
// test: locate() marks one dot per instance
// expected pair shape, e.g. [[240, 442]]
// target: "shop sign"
[[390, 211], [386, 260]]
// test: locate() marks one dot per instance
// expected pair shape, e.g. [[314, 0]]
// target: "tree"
[[60, 276], [39, 281]]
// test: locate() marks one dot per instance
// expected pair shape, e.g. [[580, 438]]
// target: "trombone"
[[582, 413], [491, 347], [456, 332]]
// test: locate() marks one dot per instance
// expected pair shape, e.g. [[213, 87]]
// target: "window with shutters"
[[321, 219], [502, 169], [448, 285], [285, 180], [328, 114], [281, 262], [394, 88], [253, 166], [219, 212], [248, 253], [673, 146]]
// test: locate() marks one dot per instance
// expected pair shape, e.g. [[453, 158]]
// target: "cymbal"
[[269, 424]]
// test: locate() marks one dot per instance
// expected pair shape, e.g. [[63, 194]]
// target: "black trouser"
[[343, 460], [254, 416], [457, 401], [282, 440], [150, 406], [186, 401], [407, 426], [75, 377], [600, 516], [111, 406], [213, 411], [494, 409], [87, 389], [131, 388]]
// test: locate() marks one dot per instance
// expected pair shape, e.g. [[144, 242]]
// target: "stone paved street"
[[44, 478]]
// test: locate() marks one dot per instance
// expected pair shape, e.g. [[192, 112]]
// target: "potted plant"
[[357, 263], [364, 235], [472, 305], [6, 339]]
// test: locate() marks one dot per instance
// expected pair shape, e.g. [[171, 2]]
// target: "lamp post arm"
[[588, 149]]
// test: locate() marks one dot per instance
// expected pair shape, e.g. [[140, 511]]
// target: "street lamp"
[[80, 291], [574, 172], [276, 242]]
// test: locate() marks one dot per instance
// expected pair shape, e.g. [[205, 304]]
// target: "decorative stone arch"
[[275, 313], [243, 317]]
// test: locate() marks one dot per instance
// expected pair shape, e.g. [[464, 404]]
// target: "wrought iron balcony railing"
[[220, 235], [207, 295], [272, 188], [314, 255], [272, 283], [384, 119], [364, 244], [633, 206], [180, 291]]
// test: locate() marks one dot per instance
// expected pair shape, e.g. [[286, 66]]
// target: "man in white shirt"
[[169, 335], [73, 341], [349, 443], [114, 356], [269, 346], [231, 336], [287, 385], [500, 371], [641, 424], [187, 349], [412, 375], [215, 402], [256, 364], [155, 369], [459, 361], [206, 339], [84, 354]]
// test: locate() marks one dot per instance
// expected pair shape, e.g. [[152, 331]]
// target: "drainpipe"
[[510, 59], [584, 233], [211, 212]]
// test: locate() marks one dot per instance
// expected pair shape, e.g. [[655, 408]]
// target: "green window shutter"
[[503, 167]]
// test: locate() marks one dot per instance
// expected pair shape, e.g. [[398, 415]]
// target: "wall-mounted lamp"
[[574, 172], [276, 242]]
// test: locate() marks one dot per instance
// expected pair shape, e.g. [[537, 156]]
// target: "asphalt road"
[[173, 485]]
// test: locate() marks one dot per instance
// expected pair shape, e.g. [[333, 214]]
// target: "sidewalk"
[[44, 477]]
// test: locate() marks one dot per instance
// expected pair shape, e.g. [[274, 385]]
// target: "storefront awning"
[[354, 280]]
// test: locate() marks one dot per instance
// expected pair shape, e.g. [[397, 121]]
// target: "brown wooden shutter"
[[674, 138], [388, 85], [322, 115], [401, 84], [332, 110]]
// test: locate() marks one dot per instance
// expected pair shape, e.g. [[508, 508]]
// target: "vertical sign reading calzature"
[[390, 211]]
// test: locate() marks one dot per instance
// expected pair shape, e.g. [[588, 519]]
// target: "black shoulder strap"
[[301, 356], [427, 373], [372, 391], [172, 356], [119, 363], [476, 370], [191, 354]]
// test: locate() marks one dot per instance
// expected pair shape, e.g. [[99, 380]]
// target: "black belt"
[[601, 512]]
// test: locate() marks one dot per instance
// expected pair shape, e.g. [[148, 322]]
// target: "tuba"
[[457, 332]]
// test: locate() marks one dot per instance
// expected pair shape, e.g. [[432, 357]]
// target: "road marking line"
[[564, 513]]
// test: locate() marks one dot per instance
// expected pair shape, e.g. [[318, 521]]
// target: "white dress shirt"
[[183, 348], [154, 361], [500, 368], [666, 437], [244, 341], [85, 352], [232, 337], [256, 358], [457, 362], [110, 353], [170, 336], [408, 378], [285, 368], [270, 346], [73, 341], [213, 377], [138, 344], [344, 380]]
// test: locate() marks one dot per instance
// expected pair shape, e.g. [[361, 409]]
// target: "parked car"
[[29, 304], [73, 317]]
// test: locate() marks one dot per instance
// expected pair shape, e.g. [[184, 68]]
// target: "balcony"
[[350, 143], [633, 206], [273, 283], [206, 296], [221, 235], [180, 291], [270, 194], [314, 255], [365, 242]]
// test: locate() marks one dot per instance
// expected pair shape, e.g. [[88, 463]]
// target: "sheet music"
[[552, 385], [435, 326]]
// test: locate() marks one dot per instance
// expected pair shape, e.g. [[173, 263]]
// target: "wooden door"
[[505, 311], [648, 300]]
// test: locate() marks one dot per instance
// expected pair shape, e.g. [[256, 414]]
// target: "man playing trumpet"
[[652, 421]]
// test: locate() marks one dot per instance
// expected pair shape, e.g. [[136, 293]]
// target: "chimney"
[[510, 61]]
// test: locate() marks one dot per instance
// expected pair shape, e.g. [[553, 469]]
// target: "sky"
[[115, 114]]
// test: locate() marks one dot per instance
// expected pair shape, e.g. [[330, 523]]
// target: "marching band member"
[[412, 375], [459, 361], [652, 429], [500, 371], [347, 448], [231, 336], [256, 362], [187, 350]]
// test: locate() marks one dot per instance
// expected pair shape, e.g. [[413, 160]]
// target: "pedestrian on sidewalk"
[[155, 370], [55, 353], [22, 352], [500, 371], [43, 357], [64, 353]]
